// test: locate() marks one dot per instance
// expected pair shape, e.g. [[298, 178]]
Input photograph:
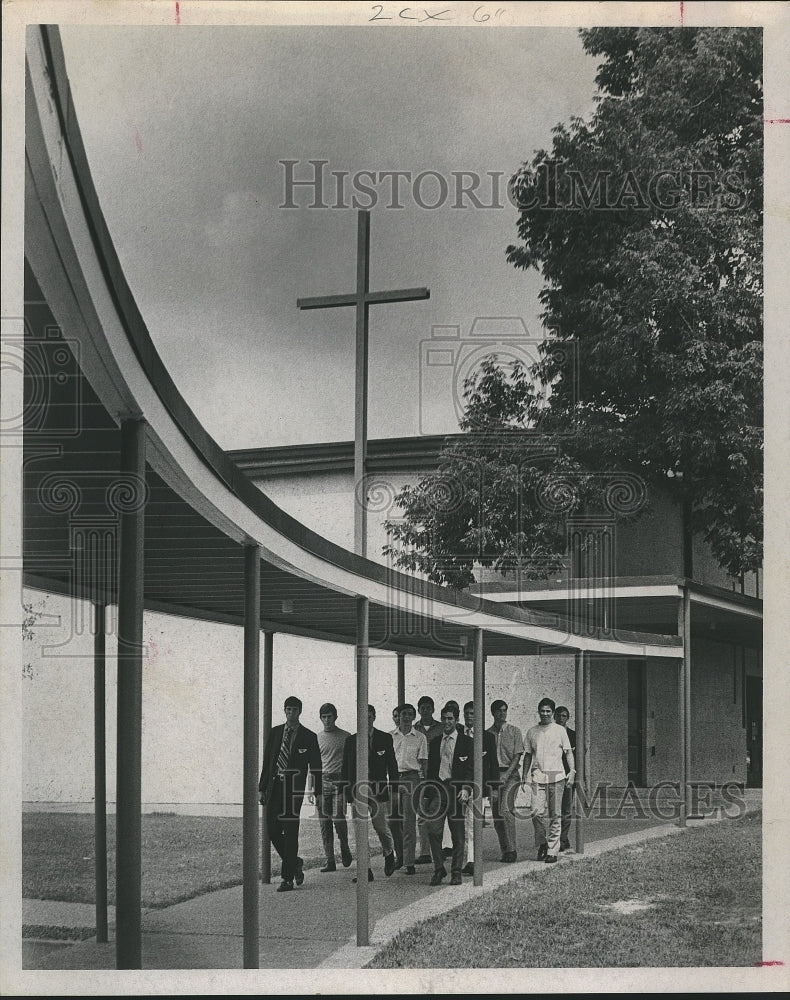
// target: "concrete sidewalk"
[[315, 925]]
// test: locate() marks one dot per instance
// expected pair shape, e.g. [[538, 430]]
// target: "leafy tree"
[[646, 226]]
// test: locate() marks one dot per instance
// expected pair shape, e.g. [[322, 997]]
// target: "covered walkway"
[[129, 503]]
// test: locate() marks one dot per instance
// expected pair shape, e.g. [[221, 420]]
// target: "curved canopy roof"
[[201, 509]]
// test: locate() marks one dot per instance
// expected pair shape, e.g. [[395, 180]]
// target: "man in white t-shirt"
[[545, 748]]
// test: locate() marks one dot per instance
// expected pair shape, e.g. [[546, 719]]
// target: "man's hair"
[[451, 707], [426, 700], [496, 705], [293, 702], [327, 709], [373, 710], [452, 701], [468, 705], [398, 709], [546, 701], [562, 708], [411, 707]]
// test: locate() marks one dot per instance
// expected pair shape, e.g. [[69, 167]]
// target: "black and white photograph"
[[409, 372]]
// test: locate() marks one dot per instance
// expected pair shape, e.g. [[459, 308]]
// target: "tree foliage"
[[645, 223]]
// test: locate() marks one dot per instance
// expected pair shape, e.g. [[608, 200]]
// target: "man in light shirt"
[[547, 750], [490, 776], [431, 729], [509, 748], [331, 803], [411, 754]]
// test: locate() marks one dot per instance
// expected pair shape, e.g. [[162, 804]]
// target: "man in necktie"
[[450, 777], [290, 750]]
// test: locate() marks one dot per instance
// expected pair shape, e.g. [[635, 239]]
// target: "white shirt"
[[446, 751], [547, 744], [411, 749]]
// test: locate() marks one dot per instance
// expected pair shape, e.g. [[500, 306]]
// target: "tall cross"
[[362, 299]]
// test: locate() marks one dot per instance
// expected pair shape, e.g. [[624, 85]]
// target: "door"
[[754, 732], [636, 723]]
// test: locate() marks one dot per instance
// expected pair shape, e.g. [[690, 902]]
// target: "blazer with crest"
[[304, 753], [382, 765], [462, 769]]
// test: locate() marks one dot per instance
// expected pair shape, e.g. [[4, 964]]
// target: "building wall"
[[718, 742], [663, 721], [608, 734]]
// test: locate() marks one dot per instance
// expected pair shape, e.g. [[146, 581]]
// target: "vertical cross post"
[[401, 678], [363, 783]]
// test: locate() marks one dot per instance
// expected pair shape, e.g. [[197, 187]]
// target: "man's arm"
[[392, 762], [527, 766], [316, 768], [422, 757]]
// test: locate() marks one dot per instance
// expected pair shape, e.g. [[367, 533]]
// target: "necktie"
[[470, 730], [285, 750], [446, 758]]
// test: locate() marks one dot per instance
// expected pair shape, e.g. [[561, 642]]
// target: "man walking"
[[431, 729], [451, 777], [331, 802], [509, 748], [561, 716], [547, 746], [411, 754], [382, 772], [290, 750], [490, 779]]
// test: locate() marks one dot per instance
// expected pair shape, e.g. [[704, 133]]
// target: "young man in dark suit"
[[450, 778], [290, 750], [382, 773]]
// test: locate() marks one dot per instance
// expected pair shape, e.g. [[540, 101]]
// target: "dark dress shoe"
[[543, 850], [345, 855], [389, 864], [370, 876], [424, 859], [551, 859], [410, 870], [510, 857], [299, 876], [285, 886], [455, 879], [469, 869], [565, 845], [330, 866], [436, 878]]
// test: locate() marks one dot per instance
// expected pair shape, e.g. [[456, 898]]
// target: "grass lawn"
[[700, 894], [182, 856]]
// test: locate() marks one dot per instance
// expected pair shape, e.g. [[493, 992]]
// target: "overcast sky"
[[185, 130]]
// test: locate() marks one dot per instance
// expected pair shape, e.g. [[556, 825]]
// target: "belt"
[[402, 774], [502, 768]]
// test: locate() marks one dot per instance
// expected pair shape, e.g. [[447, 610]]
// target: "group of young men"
[[420, 785]]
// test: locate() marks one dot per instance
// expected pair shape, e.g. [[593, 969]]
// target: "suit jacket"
[[462, 769], [382, 765], [490, 760], [304, 753]]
